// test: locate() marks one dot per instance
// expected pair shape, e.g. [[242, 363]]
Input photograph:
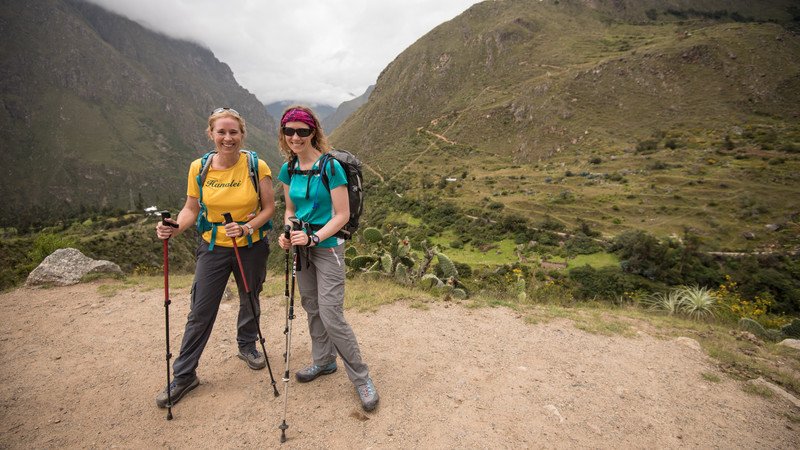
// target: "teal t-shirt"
[[317, 209]]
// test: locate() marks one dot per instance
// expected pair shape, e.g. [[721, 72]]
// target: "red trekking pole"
[[165, 215], [250, 295]]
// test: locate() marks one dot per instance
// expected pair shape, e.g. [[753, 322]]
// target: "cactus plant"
[[791, 330], [386, 263], [446, 266], [459, 293], [750, 325], [372, 235], [430, 280], [351, 252], [359, 262]]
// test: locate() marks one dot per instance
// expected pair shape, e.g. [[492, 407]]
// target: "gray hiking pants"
[[321, 286], [210, 278]]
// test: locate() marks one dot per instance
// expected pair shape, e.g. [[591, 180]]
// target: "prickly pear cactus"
[[459, 293], [386, 263], [791, 330], [446, 266], [351, 252], [401, 275], [375, 267], [750, 325], [407, 261], [429, 280], [372, 235], [360, 262], [444, 289]]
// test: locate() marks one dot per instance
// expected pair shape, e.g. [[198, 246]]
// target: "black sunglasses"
[[231, 110], [302, 132]]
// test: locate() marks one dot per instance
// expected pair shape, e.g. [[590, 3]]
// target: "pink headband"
[[298, 115]]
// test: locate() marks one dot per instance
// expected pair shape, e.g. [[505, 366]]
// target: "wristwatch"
[[249, 228], [315, 239]]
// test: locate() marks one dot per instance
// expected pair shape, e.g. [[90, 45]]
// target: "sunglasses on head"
[[230, 110], [302, 132]]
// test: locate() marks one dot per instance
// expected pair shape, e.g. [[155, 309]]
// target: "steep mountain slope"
[[627, 114], [101, 112], [526, 78], [333, 120]]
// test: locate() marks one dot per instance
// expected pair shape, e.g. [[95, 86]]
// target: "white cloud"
[[317, 51]]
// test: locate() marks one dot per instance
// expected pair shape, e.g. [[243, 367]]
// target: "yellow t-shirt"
[[230, 191]]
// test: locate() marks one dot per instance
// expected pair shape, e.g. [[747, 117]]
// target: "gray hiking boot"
[[313, 371], [253, 358], [177, 390], [368, 395]]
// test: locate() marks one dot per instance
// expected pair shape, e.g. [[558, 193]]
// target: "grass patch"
[[366, 295], [403, 218], [759, 390], [607, 326], [501, 253], [144, 283], [713, 378], [596, 260]]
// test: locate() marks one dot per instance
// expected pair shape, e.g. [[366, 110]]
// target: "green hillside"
[[665, 116], [99, 112]]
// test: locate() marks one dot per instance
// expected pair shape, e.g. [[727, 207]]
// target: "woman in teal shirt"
[[324, 211]]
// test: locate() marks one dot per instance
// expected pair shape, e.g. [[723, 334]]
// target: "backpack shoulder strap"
[[252, 168]]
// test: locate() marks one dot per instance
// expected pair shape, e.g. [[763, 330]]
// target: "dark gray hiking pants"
[[322, 291], [210, 277]]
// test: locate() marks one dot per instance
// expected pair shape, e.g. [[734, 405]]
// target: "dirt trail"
[[82, 370]]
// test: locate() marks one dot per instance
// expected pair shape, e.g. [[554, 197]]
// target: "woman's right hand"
[[283, 242], [165, 231]]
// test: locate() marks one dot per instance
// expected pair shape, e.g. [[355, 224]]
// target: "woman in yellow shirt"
[[226, 188]]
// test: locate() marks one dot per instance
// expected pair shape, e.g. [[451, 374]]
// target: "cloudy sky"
[[315, 51]]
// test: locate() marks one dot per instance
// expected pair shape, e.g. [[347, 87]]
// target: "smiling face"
[[227, 135], [295, 142]]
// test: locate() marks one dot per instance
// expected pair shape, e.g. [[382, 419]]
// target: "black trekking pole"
[[165, 215], [250, 295], [289, 318]]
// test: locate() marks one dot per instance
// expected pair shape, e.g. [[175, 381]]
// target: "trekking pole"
[[250, 295], [164, 216], [289, 318]]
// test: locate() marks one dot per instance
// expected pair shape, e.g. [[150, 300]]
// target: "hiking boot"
[[177, 390], [253, 358], [313, 371], [368, 395]]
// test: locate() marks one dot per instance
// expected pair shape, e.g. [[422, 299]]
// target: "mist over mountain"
[[99, 112]]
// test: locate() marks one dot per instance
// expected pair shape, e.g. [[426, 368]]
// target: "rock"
[[749, 235], [793, 343], [772, 227], [689, 342], [67, 266], [777, 390]]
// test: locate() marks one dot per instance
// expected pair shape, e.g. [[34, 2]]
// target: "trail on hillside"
[[80, 369]]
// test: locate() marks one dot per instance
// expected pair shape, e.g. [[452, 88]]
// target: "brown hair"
[[319, 141]]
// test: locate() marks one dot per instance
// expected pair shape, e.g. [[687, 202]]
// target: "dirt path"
[[82, 370]]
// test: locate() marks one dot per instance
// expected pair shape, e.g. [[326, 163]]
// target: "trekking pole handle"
[[296, 225], [164, 216], [286, 231]]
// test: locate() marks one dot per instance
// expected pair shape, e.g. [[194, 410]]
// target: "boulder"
[[67, 266], [793, 343]]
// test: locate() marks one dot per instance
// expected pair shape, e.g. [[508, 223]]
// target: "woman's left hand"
[[234, 230], [300, 238]]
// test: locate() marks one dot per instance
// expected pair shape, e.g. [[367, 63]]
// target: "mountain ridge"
[[95, 95]]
